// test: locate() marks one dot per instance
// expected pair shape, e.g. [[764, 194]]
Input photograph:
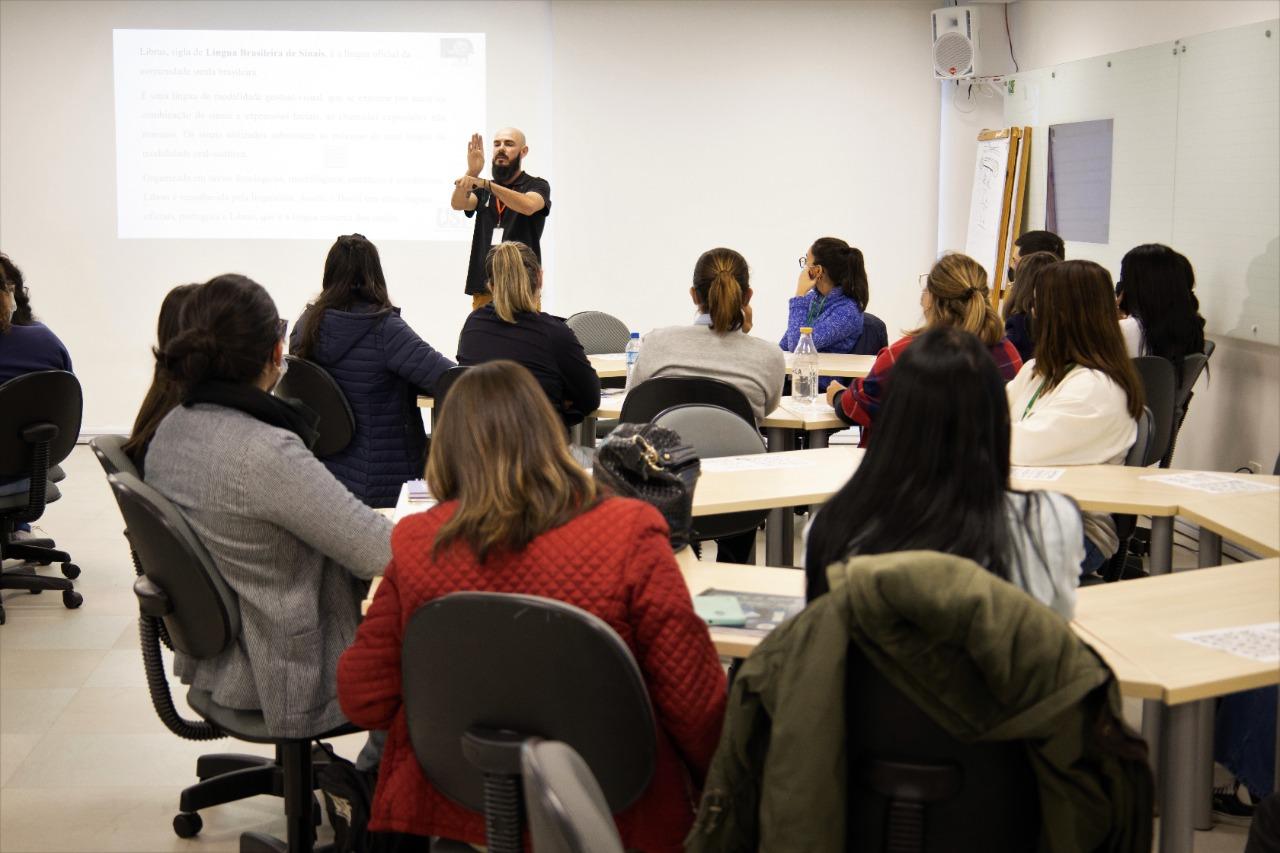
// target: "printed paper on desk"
[[1214, 484], [759, 462], [1259, 642], [1038, 474], [819, 406]]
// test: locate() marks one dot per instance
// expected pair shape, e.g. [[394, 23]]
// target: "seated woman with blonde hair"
[[518, 515], [955, 295]]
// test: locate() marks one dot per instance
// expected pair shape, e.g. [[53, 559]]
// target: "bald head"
[[509, 149]]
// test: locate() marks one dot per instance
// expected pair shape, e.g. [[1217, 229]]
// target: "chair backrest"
[[907, 775], [443, 384], [1209, 347], [529, 666], [599, 332], [1159, 385], [320, 392], [711, 430], [180, 582], [109, 450], [41, 408], [1139, 455], [875, 336], [655, 395], [1192, 366], [567, 810]]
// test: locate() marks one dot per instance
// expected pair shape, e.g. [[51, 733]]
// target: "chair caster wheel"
[[70, 571], [71, 599], [187, 824]]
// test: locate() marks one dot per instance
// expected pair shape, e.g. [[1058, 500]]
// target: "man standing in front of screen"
[[513, 206]]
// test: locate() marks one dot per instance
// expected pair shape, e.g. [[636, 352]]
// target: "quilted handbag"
[[653, 464]]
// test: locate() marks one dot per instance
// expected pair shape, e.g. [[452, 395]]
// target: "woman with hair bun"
[[955, 295], [831, 295], [289, 539], [515, 327]]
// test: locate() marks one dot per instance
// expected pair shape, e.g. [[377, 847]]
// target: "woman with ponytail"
[[164, 393], [830, 298], [718, 345], [513, 326], [289, 539], [955, 295], [356, 334]]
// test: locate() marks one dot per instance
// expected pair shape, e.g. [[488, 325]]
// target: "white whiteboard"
[[1197, 128], [990, 173]]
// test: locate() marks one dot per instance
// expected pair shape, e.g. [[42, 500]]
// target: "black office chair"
[[660, 393], [320, 392], [875, 336], [913, 788], [181, 586], [1140, 455], [1192, 366], [485, 672], [715, 431], [223, 775], [567, 810], [443, 384], [1159, 386], [39, 424]]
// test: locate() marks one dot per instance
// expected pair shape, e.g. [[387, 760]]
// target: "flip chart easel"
[[995, 210]]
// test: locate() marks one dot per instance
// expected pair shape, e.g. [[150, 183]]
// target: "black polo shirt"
[[515, 227]]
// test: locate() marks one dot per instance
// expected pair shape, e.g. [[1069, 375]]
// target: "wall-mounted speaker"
[[970, 41]]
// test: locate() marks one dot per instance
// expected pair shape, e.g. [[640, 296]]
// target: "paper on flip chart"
[[1214, 484], [759, 462], [1259, 642], [1041, 474]]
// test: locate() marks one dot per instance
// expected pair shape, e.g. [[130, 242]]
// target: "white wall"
[[1234, 418], [677, 127], [758, 126]]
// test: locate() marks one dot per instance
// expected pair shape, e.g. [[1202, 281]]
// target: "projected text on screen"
[[293, 135]]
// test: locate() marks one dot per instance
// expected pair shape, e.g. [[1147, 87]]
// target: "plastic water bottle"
[[633, 352], [804, 369]]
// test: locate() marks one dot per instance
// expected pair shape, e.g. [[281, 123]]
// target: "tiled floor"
[[85, 765]]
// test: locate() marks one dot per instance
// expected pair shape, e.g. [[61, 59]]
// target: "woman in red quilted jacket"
[[518, 515]]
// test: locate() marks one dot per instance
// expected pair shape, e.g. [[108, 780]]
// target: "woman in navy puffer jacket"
[[381, 365]]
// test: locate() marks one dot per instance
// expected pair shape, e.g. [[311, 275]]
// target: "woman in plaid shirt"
[[955, 294]]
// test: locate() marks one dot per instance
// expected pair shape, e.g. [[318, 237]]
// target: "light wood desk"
[[614, 365], [1134, 626], [1251, 520]]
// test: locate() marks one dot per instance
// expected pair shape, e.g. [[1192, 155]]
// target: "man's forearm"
[[461, 198], [522, 203]]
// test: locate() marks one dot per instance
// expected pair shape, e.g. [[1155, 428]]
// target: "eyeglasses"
[[924, 280], [804, 262], [282, 326]]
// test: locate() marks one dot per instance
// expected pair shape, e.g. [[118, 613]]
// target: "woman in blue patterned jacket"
[[381, 364], [831, 296]]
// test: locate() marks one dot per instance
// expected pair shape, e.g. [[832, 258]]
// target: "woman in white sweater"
[[1077, 402]]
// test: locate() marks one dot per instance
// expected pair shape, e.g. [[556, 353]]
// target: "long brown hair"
[[512, 270], [721, 279], [1021, 296], [957, 285], [352, 273], [10, 288], [164, 393], [1077, 324], [499, 451]]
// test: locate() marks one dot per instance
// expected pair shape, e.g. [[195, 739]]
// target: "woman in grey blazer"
[[290, 540]]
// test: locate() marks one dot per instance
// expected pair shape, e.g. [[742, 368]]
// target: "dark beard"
[[504, 173]]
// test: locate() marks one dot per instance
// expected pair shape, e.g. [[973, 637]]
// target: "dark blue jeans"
[[1244, 738]]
